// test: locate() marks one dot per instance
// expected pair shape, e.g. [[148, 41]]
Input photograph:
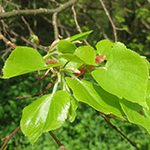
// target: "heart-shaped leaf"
[[23, 60], [87, 54], [45, 114], [95, 96], [125, 74], [65, 46]]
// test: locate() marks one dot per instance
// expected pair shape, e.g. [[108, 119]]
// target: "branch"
[[7, 138], [56, 33], [37, 11], [77, 24], [131, 142], [107, 13], [7, 41], [57, 141]]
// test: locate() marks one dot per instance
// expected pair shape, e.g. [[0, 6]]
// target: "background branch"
[[107, 13], [36, 11]]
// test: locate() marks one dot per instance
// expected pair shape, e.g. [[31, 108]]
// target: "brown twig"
[[7, 138], [24, 39], [54, 137], [51, 84], [107, 13], [77, 24], [7, 41], [57, 141], [132, 143], [27, 24]]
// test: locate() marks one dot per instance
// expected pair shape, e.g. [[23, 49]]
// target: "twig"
[[51, 84], [7, 138], [7, 41], [107, 13], [56, 33], [37, 11], [57, 141], [28, 26], [24, 39], [77, 24], [132, 143]]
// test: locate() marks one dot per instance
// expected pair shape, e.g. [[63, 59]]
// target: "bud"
[[71, 70], [35, 39], [100, 59], [82, 71], [51, 61]]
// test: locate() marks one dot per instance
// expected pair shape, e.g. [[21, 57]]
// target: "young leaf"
[[124, 75], [87, 54], [65, 46], [24, 60], [45, 114], [80, 36], [95, 96]]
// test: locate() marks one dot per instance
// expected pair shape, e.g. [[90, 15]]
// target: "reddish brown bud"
[[100, 59], [51, 61], [82, 71]]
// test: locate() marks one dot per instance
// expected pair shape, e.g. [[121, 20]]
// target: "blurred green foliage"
[[89, 130]]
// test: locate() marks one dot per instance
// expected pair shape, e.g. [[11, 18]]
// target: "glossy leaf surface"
[[95, 96], [65, 46], [124, 75], [45, 114], [23, 60]]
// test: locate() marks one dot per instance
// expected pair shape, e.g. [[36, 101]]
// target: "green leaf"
[[124, 75], [72, 109], [65, 46], [136, 114], [45, 114], [23, 60], [71, 57], [104, 47], [87, 54], [95, 96], [80, 36]]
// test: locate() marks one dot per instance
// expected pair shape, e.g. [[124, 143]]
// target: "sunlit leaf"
[[71, 57], [23, 60], [95, 96], [124, 75], [87, 54], [65, 46], [45, 114]]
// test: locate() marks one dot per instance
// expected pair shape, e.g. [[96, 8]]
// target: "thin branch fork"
[[7, 138], [37, 11]]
